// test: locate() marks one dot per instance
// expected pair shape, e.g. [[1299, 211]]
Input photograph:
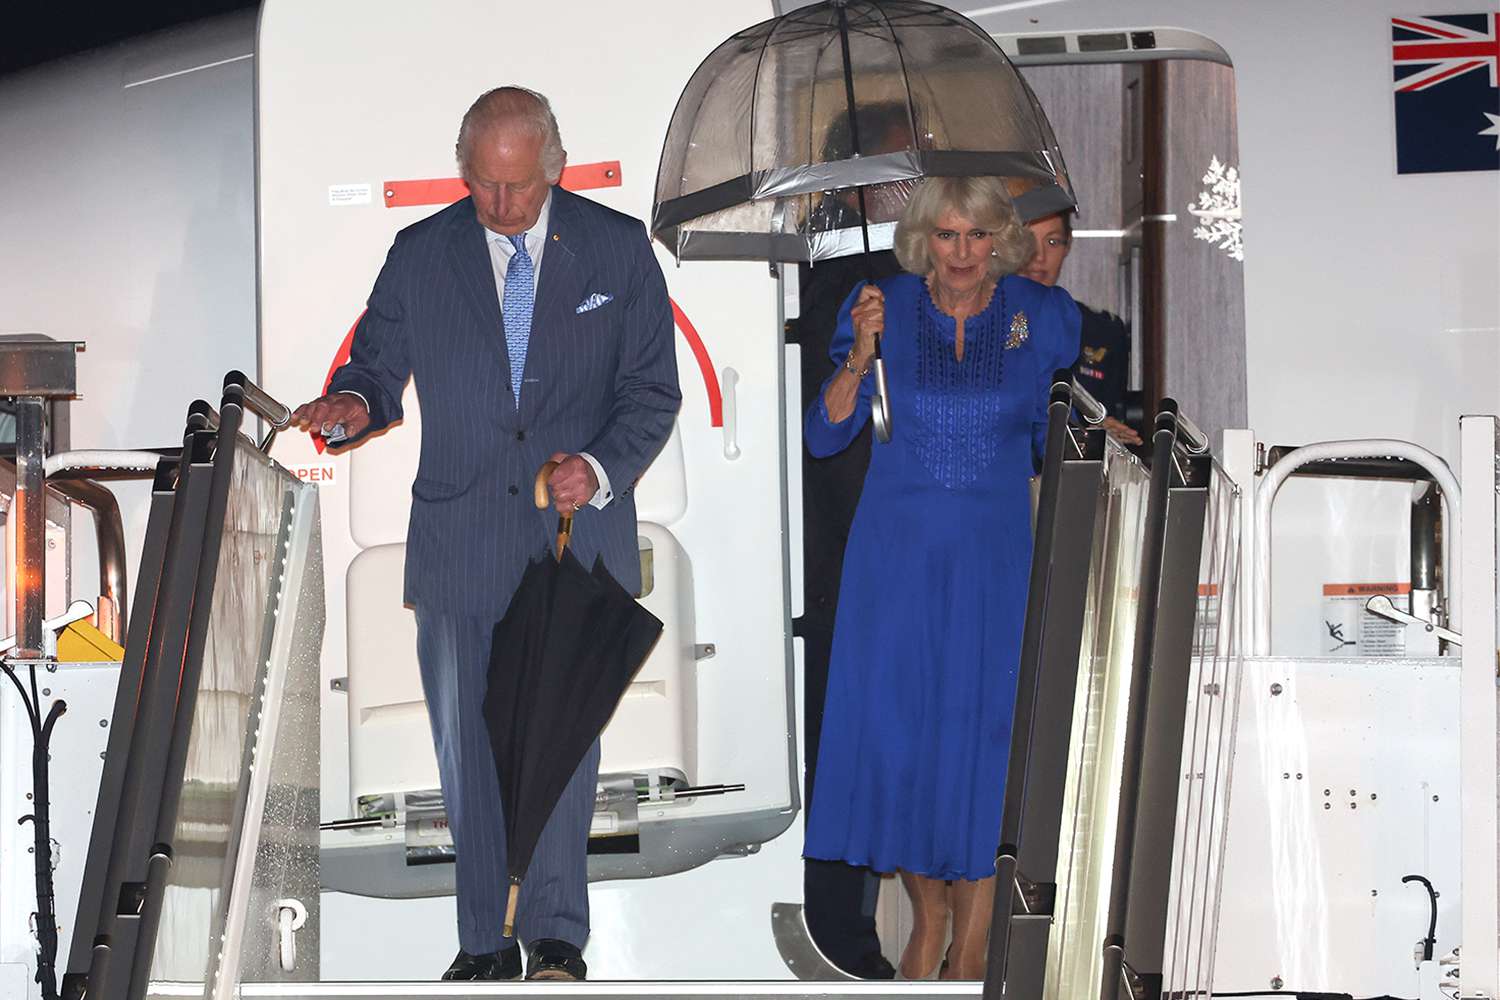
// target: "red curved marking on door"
[[447, 190], [689, 333], [705, 365]]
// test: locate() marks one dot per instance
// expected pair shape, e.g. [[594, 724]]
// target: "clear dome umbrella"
[[800, 139]]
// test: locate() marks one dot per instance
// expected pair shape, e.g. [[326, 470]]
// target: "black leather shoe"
[[503, 964], [873, 966], [553, 959]]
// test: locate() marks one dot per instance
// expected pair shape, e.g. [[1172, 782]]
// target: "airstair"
[[203, 874]]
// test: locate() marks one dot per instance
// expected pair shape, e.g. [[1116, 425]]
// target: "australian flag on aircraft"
[[1447, 92]]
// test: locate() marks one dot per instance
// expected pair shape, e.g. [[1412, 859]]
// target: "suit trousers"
[[453, 652]]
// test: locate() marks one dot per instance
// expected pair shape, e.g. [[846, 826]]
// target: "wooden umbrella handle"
[[510, 909], [543, 499], [539, 494]]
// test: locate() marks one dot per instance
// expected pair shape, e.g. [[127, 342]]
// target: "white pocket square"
[[594, 301]]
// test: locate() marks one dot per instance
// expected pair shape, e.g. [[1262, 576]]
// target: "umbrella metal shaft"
[[864, 219], [880, 407]]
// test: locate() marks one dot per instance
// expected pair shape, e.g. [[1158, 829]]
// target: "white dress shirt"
[[501, 251]]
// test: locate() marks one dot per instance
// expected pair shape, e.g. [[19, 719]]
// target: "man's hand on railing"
[[335, 417]]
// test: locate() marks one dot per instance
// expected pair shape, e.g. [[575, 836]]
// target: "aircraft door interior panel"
[[712, 706], [654, 732], [390, 750]]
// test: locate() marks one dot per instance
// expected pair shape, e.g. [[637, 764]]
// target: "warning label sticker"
[[1206, 626], [1350, 630], [344, 195]]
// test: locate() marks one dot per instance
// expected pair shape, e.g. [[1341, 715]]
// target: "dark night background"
[[37, 31]]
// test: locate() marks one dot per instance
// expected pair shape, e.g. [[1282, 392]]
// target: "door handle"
[[729, 383]]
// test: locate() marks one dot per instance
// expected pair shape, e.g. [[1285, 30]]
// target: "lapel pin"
[[555, 237]]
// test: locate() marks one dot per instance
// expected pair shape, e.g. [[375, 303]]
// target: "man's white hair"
[[512, 106]]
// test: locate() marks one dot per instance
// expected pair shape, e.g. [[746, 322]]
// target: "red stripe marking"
[[705, 365], [1424, 28], [1436, 51], [447, 190], [1428, 81], [689, 333]]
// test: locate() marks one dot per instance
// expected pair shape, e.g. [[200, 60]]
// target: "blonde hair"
[[983, 201]]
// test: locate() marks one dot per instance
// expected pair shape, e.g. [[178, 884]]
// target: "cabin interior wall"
[[1083, 105], [1204, 306], [1371, 304], [1198, 306]]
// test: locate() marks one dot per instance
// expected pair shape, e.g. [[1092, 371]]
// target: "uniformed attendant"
[[1103, 364]]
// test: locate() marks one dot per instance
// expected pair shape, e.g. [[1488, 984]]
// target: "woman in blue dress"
[[916, 731]]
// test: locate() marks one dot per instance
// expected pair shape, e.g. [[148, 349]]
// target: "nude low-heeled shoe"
[[938, 966], [930, 977]]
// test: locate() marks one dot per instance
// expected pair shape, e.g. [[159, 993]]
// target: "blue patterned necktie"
[[520, 297]]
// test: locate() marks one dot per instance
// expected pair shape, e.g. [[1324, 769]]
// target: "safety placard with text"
[[1349, 630]]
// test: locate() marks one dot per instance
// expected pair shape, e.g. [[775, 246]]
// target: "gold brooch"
[[1019, 330]]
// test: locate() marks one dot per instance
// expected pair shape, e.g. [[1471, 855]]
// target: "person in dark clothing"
[[1103, 365], [839, 899]]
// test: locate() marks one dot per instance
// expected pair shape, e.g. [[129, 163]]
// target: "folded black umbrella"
[[562, 657]]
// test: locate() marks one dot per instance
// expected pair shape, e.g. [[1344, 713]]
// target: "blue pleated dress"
[[916, 729]]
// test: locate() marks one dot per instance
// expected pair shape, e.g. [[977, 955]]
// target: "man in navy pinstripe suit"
[[536, 325]]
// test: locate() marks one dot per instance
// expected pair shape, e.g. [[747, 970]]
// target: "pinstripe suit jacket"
[[602, 381]]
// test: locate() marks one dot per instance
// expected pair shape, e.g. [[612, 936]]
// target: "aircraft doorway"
[[1148, 133], [1151, 146]]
